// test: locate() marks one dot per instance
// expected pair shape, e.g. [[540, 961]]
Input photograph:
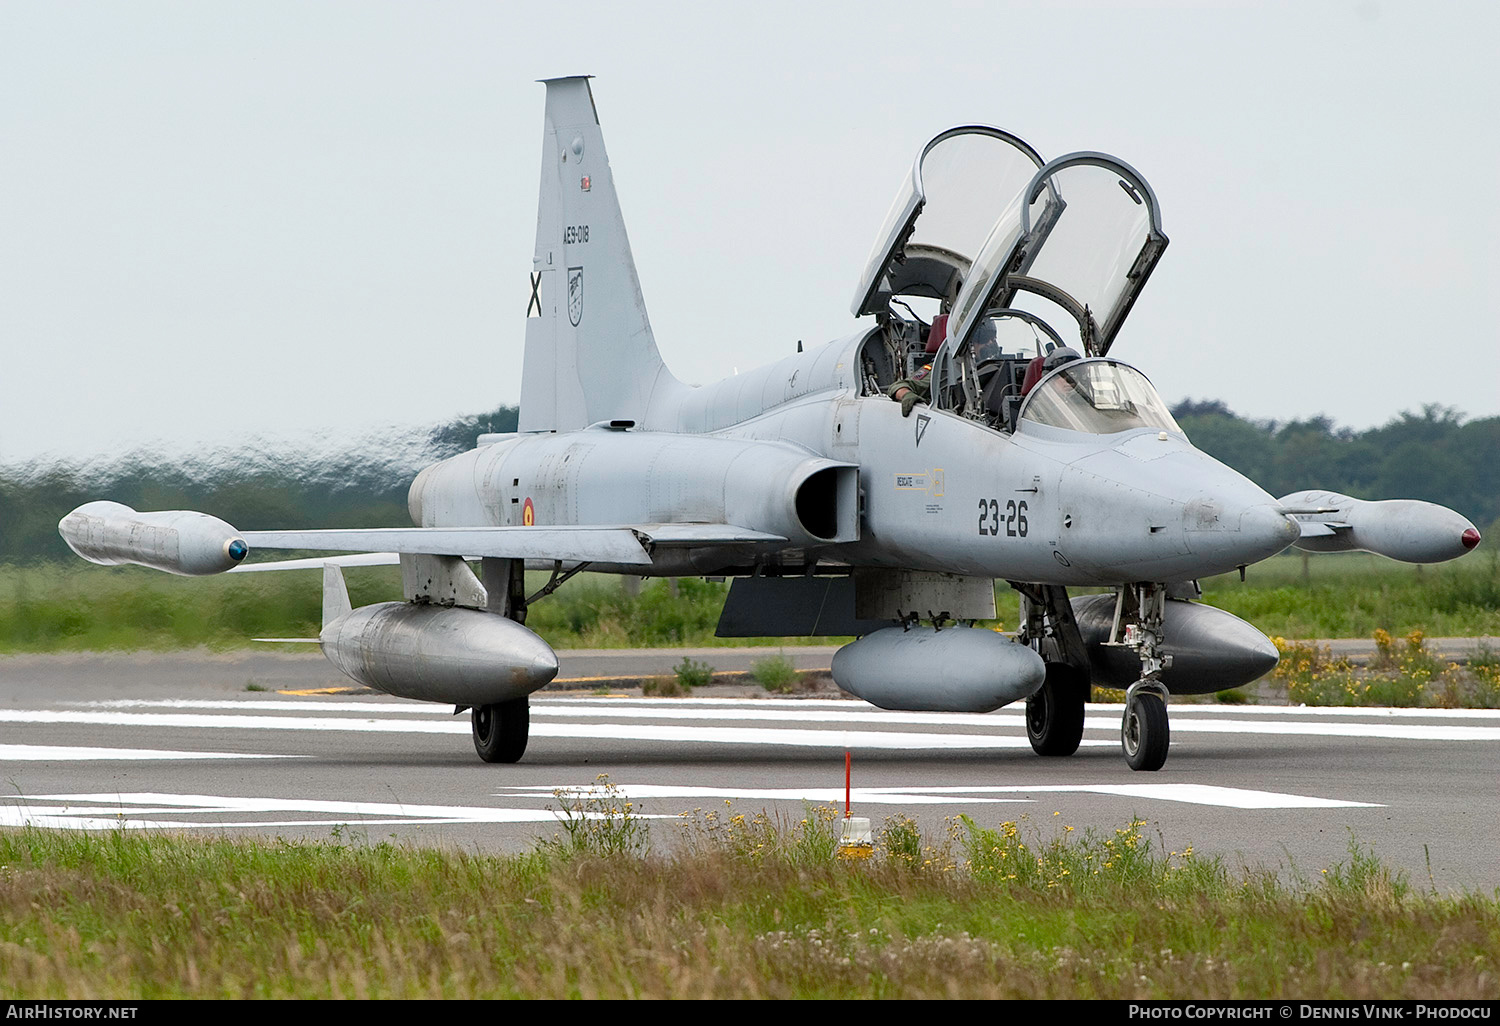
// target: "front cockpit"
[[989, 260]]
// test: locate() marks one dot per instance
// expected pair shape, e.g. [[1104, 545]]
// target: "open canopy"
[[960, 184], [982, 225], [1084, 236]]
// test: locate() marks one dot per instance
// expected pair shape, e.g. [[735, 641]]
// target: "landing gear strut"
[[1145, 733]]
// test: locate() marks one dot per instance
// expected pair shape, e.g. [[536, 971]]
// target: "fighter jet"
[[975, 427]]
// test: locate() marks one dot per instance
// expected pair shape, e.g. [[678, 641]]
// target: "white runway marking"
[[354, 718], [105, 811], [821, 795], [1402, 731], [69, 753], [857, 739], [770, 708], [1192, 794], [146, 810]]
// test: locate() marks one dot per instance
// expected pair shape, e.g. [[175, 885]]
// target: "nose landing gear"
[[1145, 733]]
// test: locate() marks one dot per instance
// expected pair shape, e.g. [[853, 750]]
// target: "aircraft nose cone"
[[1469, 538], [1224, 535], [1265, 525]]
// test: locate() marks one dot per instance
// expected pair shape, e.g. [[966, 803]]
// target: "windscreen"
[[1099, 397]]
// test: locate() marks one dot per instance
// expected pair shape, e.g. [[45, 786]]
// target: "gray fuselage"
[[937, 491]]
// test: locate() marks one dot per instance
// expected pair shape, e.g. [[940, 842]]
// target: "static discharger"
[[855, 842]]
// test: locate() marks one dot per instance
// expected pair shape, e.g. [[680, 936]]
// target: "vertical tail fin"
[[335, 594], [590, 354]]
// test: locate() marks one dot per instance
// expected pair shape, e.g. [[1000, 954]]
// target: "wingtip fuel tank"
[[177, 541], [1408, 530]]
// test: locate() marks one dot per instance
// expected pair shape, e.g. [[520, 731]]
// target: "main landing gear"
[[1054, 714], [501, 730]]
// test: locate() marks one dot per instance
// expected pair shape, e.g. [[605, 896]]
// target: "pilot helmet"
[[984, 343], [1058, 357]]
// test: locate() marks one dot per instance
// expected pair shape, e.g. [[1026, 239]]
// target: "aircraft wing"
[[318, 562], [624, 544], [192, 544], [570, 544], [695, 535]]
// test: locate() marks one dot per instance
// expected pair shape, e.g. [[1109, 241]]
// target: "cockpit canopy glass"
[[967, 181], [1092, 252], [1084, 237], [1100, 397], [960, 183]]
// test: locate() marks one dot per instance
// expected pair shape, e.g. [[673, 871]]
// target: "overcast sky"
[[222, 220]]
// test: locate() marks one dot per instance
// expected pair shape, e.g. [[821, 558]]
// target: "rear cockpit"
[[990, 259]]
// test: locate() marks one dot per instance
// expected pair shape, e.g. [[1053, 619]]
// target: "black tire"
[[1054, 715], [1144, 733], [501, 730]]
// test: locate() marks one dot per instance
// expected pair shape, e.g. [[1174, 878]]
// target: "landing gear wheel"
[[1144, 733], [501, 730], [1054, 715]]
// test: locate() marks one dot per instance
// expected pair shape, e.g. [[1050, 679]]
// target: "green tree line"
[[361, 485], [1435, 455]]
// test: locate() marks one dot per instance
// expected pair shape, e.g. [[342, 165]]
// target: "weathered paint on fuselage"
[[940, 492]]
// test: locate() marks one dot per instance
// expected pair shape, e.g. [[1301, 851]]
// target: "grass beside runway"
[[722, 904], [78, 607]]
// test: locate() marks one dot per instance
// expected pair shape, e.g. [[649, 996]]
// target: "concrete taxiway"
[[189, 741]]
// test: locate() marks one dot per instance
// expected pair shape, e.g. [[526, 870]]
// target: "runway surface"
[[178, 742]]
